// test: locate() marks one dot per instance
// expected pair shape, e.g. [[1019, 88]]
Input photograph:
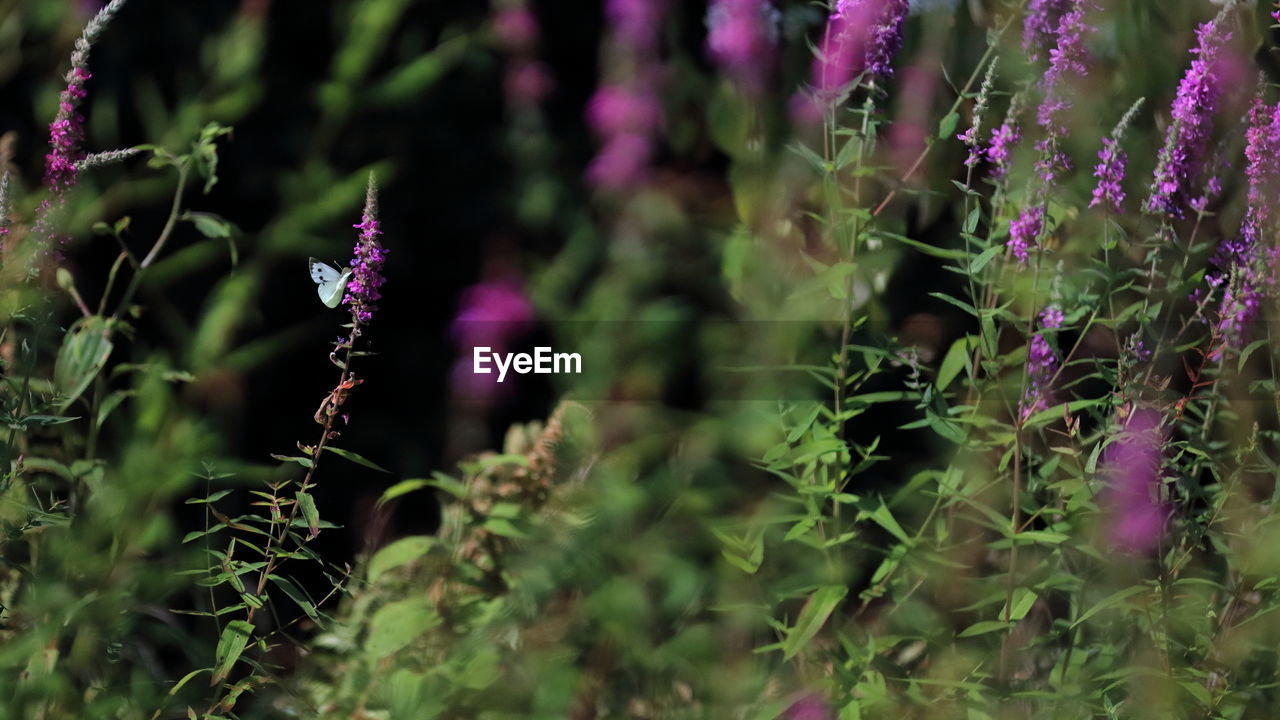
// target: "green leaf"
[[1023, 600], [296, 595], [947, 126], [212, 498], [800, 429], [503, 527], [984, 627], [210, 225], [357, 459], [1244, 354], [84, 353], [481, 671], [112, 402], [309, 512], [1111, 600], [927, 249], [983, 259], [400, 552], [235, 636], [303, 461], [955, 361], [397, 624], [813, 616], [885, 519], [404, 487], [186, 679]]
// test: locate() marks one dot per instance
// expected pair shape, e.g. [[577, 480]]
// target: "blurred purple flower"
[[1042, 365], [516, 29], [364, 287], [491, 314], [616, 109], [811, 707], [1197, 101], [741, 36], [1132, 463], [1250, 267], [623, 161], [635, 22], [625, 119], [1068, 57], [1040, 25], [861, 36], [527, 82], [626, 113]]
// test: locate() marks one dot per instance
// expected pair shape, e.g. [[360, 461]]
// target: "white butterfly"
[[330, 283]]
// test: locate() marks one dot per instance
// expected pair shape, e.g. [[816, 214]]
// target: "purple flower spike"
[[1042, 365], [1198, 98], [1000, 152], [1110, 174], [1024, 231], [1109, 192], [363, 289], [1040, 25], [1249, 266], [66, 132], [1132, 463], [861, 36], [1068, 57]]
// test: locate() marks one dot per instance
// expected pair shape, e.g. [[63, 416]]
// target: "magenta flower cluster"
[[66, 133], [1068, 57], [1024, 231], [1132, 463], [1042, 364], [1039, 27], [862, 37], [1248, 261], [1198, 98], [741, 37], [1109, 171], [364, 287], [1000, 152]]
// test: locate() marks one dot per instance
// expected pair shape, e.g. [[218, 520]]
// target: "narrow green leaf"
[[955, 361], [357, 459], [984, 627], [1110, 601], [813, 616], [404, 487]]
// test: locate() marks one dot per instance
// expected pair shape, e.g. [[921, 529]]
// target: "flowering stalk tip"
[[364, 287], [1199, 95]]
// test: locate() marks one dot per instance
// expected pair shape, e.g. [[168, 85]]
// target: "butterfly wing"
[[330, 284]]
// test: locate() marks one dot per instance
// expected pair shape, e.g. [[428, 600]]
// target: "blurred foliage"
[[796, 478]]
